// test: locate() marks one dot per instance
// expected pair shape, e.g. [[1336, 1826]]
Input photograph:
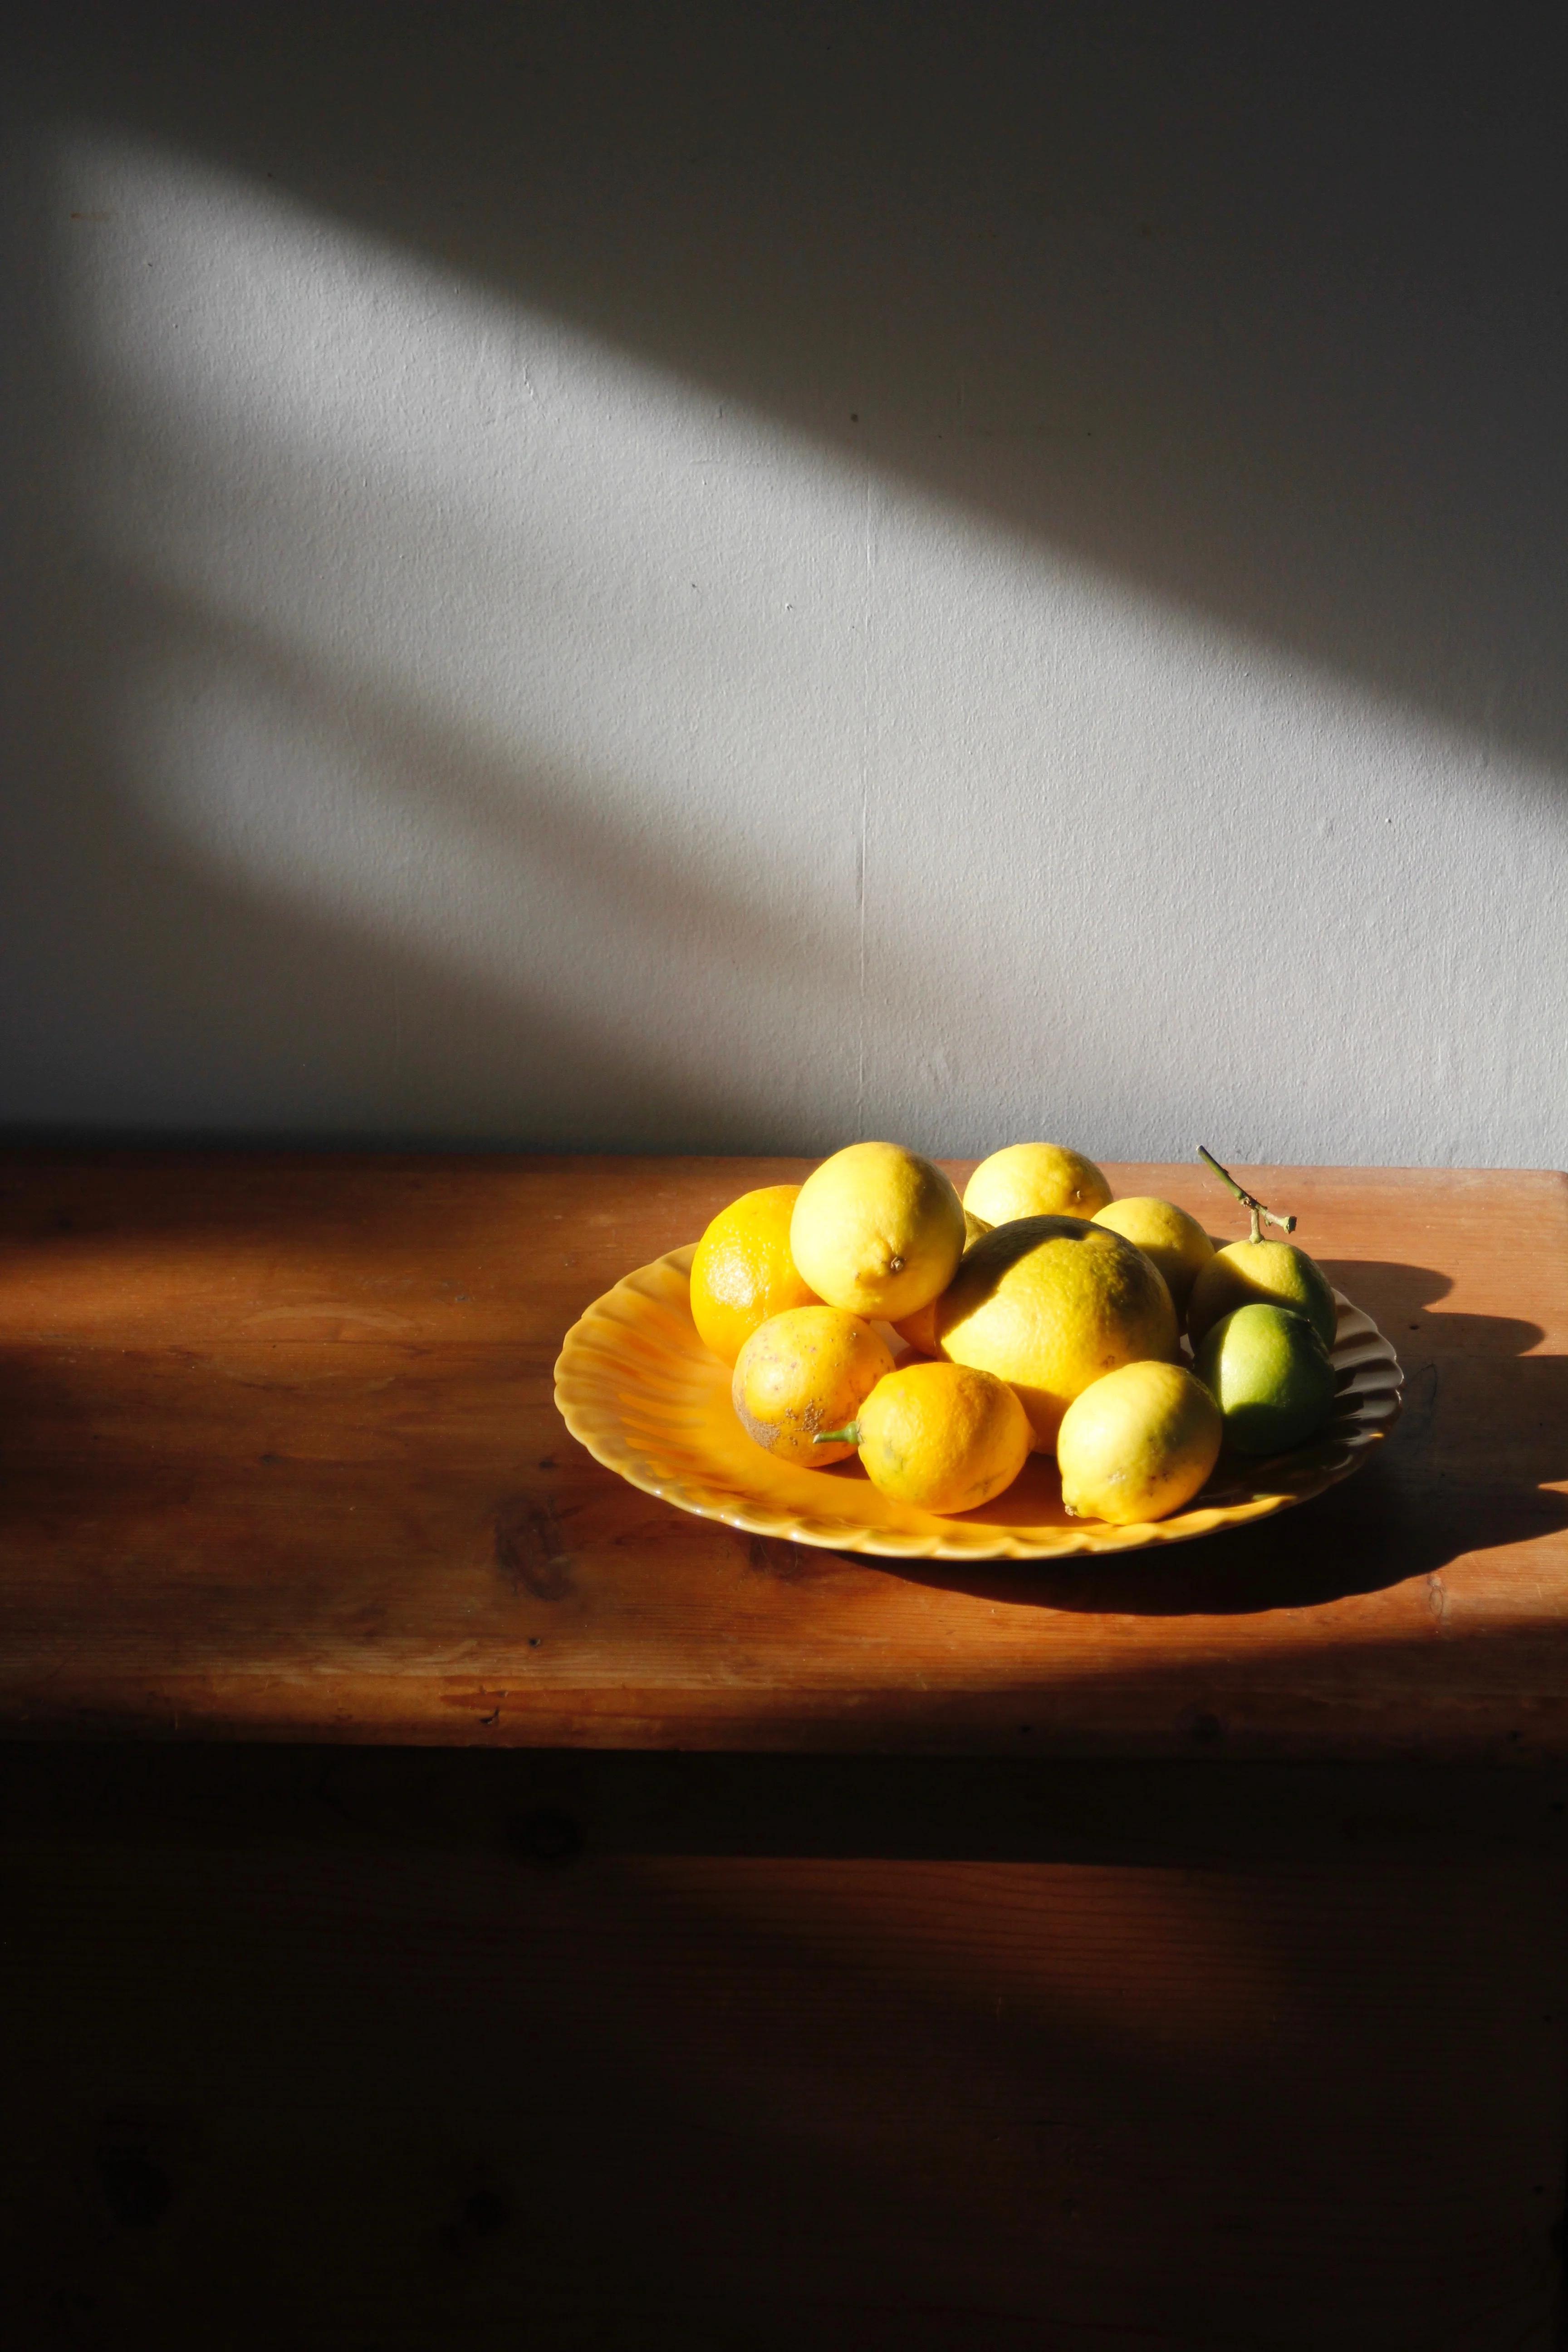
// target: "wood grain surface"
[[278, 1459]]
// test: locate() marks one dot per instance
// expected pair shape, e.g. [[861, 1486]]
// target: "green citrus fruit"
[[1270, 1375]]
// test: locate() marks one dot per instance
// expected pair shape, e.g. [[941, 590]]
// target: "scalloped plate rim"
[[602, 1433]]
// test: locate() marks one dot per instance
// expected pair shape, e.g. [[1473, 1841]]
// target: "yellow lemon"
[[1268, 1274], [877, 1229], [919, 1329], [1050, 1304], [1036, 1180], [941, 1436], [808, 1370], [1137, 1444], [1177, 1243], [742, 1271]]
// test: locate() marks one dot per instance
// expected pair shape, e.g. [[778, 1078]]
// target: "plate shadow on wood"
[[1482, 1439]]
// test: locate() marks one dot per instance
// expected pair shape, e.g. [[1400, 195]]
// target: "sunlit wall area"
[[537, 620]]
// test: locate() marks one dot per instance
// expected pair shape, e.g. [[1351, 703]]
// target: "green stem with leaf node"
[[1255, 1208]]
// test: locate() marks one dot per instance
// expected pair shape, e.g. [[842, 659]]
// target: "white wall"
[[921, 616]]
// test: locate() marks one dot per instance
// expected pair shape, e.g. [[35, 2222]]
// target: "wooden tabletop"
[[278, 1459]]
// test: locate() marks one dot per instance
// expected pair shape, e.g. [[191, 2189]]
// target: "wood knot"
[[530, 1550]]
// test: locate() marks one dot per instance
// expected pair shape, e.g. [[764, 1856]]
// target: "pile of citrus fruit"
[[1037, 1314]]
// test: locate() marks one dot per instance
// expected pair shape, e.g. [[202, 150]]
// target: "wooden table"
[[450, 1894]]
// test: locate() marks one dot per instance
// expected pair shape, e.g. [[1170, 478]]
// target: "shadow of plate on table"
[[1470, 1464]]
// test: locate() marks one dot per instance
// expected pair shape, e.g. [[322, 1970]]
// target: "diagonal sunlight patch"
[[777, 800]]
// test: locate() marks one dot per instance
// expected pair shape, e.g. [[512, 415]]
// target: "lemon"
[[1050, 1304], [877, 1229], [1274, 1274], [919, 1329], [1137, 1444], [941, 1436], [742, 1271], [1269, 1373], [808, 1370], [1177, 1243], [1036, 1180]]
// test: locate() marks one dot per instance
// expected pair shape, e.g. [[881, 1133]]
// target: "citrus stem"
[[1255, 1208], [848, 1435]]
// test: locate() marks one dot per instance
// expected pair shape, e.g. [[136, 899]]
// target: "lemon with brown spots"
[[802, 1373]]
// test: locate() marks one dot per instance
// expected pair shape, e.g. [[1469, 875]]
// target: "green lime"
[[1270, 1375]]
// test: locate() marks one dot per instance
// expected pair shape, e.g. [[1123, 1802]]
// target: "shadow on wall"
[[1268, 329], [343, 766]]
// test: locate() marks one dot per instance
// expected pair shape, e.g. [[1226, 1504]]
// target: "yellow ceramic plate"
[[636, 1385]]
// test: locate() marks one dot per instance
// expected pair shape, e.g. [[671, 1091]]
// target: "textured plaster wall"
[[693, 578]]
